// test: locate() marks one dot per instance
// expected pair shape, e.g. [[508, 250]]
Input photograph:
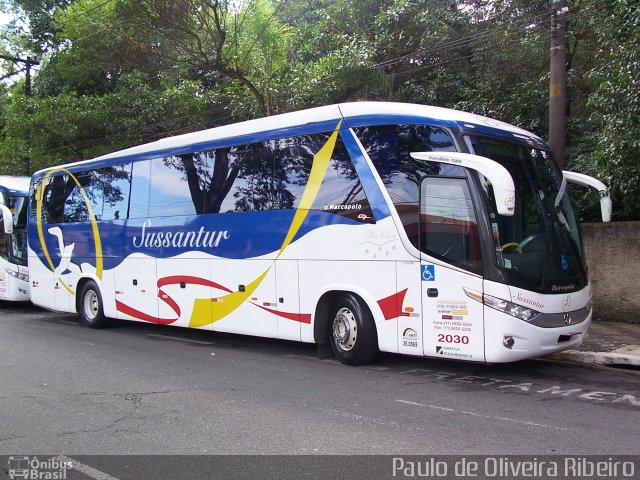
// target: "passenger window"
[[229, 179], [196, 172], [253, 187], [448, 225], [54, 193], [139, 199], [232, 179], [293, 161], [75, 209], [340, 193], [117, 185], [169, 193]]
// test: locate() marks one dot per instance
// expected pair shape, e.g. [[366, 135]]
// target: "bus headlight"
[[504, 306], [20, 276]]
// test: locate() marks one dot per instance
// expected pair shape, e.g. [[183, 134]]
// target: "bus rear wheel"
[[352, 336], [90, 307]]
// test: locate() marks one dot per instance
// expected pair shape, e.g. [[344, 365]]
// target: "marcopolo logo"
[[343, 206], [34, 468]]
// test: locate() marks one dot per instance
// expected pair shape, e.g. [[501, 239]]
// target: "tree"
[[242, 42], [616, 104], [41, 35]]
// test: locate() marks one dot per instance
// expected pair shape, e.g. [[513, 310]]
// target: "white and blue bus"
[[369, 226], [14, 275]]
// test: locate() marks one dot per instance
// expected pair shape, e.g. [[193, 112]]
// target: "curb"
[[598, 358]]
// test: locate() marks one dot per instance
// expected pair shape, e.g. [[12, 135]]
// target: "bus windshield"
[[540, 247], [18, 206]]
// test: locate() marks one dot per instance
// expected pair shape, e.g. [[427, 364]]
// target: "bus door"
[[4, 248], [288, 300], [451, 266], [55, 281], [136, 292]]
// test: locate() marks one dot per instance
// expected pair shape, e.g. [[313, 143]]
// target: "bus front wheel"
[[90, 307], [352, 335]]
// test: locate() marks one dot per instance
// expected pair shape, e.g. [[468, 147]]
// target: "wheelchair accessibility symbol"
[[428, 273]]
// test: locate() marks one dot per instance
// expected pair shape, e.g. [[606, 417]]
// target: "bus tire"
[[352, 331], [90, 306]]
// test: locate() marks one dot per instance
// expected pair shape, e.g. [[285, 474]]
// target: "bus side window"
[[116, 182], [293, 158], [219, 179], [235, 179], [253, 188], [169, 193], [54, 195], [139, 197], [341, 192], [91, 190]]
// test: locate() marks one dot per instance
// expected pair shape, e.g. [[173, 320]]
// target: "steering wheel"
[[517, 246], [529, 243], [449, 248]]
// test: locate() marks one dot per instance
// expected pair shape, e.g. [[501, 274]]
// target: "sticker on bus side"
[[428, 273], [410, 338]]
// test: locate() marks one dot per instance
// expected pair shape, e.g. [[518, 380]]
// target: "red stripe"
[[132, 312], [170, 302], [175, 279], [296, 317]]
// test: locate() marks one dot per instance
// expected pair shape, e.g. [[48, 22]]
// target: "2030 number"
[[453, 338]]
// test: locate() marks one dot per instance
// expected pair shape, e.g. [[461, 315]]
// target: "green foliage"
[[616, 105], [39, 16], [242, 43], [115, 73], [87, 126]]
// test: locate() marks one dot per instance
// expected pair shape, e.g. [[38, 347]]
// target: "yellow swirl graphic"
[[92, 218]]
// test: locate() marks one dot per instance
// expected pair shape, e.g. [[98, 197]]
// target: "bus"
[[361, 227], [14, 275]]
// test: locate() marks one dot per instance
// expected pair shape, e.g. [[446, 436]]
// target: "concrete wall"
[[613, 257]]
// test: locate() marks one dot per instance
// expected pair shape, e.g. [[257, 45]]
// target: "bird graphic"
[[65, 266]]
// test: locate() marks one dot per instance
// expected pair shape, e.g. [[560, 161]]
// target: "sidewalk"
[[609, 343]]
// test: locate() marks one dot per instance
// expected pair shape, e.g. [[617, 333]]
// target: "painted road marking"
[[530, 388], [409, 402], [481, 415], [561, 392], [86, 469]]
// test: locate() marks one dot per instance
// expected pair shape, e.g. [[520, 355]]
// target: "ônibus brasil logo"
[[33, 468]]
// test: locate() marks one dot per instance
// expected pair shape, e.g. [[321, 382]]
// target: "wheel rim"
[[91, 305], [345, 329]]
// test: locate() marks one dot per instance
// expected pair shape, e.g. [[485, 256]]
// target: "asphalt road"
[[147, 390]]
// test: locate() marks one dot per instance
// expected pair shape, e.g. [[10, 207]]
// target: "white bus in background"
[[14, 275], [369, 226]]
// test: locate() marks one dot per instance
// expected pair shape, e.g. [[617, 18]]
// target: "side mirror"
[[7, 219], [500, 178], [587, 181]]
